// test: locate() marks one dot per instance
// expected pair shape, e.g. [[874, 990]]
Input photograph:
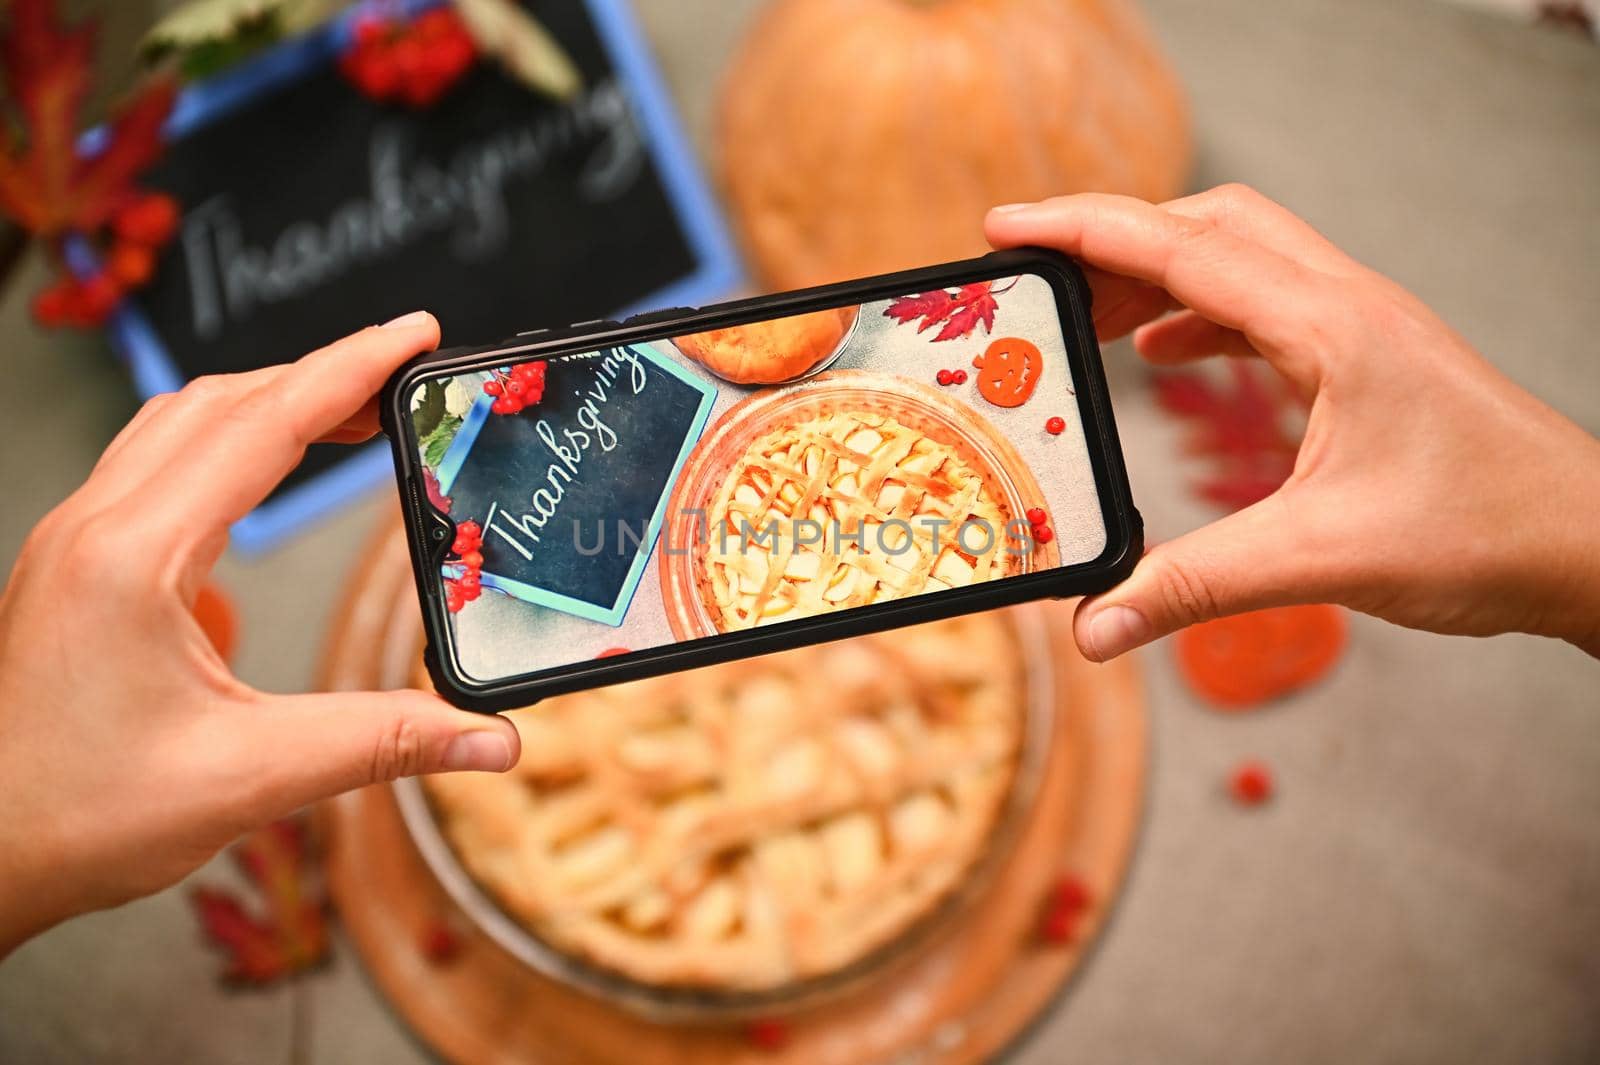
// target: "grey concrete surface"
[[1427, 886]]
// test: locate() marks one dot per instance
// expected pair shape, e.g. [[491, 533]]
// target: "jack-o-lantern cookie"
[[1008, 371]]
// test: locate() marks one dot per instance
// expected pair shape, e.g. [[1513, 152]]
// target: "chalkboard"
[[310, 211], [571, 494]]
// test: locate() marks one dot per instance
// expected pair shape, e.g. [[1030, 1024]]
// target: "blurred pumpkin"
[[859, 136]]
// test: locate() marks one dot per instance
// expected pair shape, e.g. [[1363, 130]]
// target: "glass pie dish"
[[843, 448], [459, 848]]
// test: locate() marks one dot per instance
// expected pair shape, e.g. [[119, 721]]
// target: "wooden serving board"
[[963, 997]]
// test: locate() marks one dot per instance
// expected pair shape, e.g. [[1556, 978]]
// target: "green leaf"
[[427, 414], [206, 36], [438, 441]]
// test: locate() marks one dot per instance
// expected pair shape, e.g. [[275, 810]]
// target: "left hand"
[[129, 753]]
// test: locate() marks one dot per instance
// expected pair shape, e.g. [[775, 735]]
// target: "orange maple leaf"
[[45, 185], [292, 933]]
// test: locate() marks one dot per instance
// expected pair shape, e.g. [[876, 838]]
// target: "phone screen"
[[627, 498]]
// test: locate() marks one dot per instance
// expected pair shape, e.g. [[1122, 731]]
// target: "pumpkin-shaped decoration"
[[1008, 371], [860, 136]]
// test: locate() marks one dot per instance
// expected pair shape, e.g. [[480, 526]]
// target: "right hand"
[[1429, 490]]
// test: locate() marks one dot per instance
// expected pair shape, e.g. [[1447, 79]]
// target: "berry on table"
[[768, 1033], [439, 942], [1251, 783], [1037, 516], [944, 377], [1071, 893], [1043, 533], [958, 376], [1060, 925], [1055, 426]]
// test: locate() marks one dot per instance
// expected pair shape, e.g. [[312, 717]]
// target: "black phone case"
[[429, 534]]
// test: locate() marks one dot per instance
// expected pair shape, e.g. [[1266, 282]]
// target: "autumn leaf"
[[973, 304], [1240, 429], [962, 312], [931, 307], [44, 184], [290, 932]]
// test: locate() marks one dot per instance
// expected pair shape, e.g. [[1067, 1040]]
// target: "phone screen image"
[[671, 490]]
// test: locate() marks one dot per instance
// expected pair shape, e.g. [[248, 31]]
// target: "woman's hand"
[[1429, 489], [129, 754]]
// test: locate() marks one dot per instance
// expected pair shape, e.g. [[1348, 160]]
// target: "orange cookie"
[[1008, 371]]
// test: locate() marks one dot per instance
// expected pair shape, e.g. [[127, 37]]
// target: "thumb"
[[1245, 561], [320, 745]]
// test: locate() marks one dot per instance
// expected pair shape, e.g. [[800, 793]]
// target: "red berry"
[[97, 298], [1043, 534], [1251, 783], [516, 387], [1070, 893], [453, 600], [1037, 516], [470, 529], [1055, 426], [493, 388], [473, 560], [131, 264], [1060, 925], [959, 377], [468, 583], [768, 1033], [472, 593], [436, 23], [501, 405], [151, 220], [372, 30], [56, 305], [944, 377], [439, 942]]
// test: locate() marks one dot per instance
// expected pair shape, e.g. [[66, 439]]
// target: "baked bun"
[[769, 352]]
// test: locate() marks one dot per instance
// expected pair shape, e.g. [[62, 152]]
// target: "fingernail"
[[480, 749], [1007, 208], [1117, 629], [406, 321]]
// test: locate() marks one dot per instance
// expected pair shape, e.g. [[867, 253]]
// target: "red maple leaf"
[[1240, 429], [44, 184], [931, 307], [291, 934], [960, 312], [973, 304]]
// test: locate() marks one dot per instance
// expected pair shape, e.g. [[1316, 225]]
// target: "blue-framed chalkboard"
[[311, 211], [572, 494]]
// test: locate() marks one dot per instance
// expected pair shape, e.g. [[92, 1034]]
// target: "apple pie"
[[848, 508], [742, 827]]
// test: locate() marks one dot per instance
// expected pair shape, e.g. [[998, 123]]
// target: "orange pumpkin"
[[1008, 371], [859, 136]]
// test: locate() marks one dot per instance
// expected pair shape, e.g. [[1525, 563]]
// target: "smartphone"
[[612, 500]]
